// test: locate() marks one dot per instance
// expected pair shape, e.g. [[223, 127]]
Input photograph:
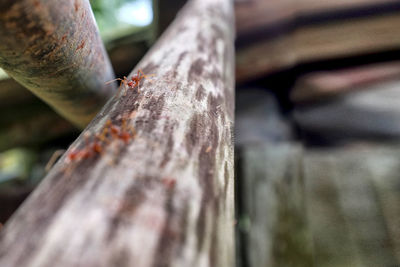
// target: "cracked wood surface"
[[54, 49], [164, 197]]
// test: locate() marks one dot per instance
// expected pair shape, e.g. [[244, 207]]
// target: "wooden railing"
[[150, 180]]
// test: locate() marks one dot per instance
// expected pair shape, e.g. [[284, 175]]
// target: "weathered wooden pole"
[[160, 194], [53, 48]]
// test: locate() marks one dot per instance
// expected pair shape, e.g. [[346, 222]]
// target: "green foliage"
[[116, 18]]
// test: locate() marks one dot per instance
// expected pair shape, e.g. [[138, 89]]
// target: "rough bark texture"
[[164, 198], [53, 48]]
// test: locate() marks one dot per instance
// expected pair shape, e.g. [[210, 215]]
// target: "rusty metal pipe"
[[54, 49]]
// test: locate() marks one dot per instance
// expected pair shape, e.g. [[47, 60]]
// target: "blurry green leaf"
[[119, 18], [16, 164]]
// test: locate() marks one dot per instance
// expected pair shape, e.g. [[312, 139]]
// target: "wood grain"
[[164, 198]]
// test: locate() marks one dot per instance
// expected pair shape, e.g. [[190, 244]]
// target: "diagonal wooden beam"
[[158, 188]]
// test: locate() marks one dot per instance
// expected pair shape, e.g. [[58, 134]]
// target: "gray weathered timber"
[[274, 203], [53, 48], [163, 198], [346, 199], [352, 208]]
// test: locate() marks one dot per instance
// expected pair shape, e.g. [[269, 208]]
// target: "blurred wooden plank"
[[253, 14], [385, 169], [272, 191], [371, 114], [333, 244], [299, 36], [322, 85], [348, 206], [361, 236]]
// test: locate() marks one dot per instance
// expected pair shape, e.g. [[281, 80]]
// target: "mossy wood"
[[162, 197]]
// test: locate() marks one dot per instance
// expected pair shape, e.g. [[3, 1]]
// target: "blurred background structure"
[[317, 137], [317, 127]]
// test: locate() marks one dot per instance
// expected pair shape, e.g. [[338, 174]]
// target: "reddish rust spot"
[[63, 38], [76, 5], [169, 182], [82, 45], [36, 4]]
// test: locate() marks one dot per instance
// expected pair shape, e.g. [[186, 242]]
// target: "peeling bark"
[[164, 197], [53, 48]]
